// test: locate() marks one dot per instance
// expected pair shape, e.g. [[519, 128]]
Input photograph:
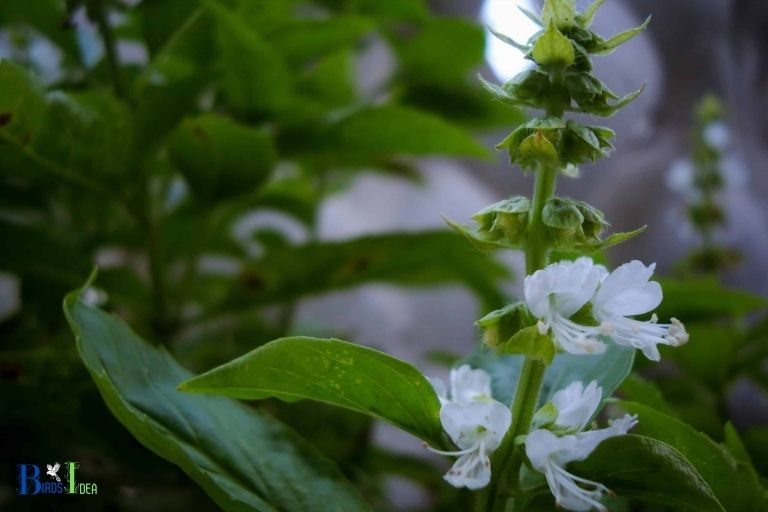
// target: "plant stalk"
[[499, 495]]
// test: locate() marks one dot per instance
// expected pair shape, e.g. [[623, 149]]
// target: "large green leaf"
[[332, 371], [456, 44], [644, 469], [22, 103], [256, 78], [400, 130], [695, 299], [90, 133], [289, 272], [609, 369], [243, 459], [78, 138], [46, 16], [220, 158], [715, 464], [382, 132], [307, 39]]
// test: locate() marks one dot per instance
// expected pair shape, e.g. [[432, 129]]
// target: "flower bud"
[[534, 142], [552, 48], [560, 13], [536, 148], [500, 325], [506, 219], [573, 223]]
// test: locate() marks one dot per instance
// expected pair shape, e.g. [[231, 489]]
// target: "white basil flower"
[[556, 292], [576, 405], [627, 292], [475, 422], [549, 454], [466, 385], [717, 135]]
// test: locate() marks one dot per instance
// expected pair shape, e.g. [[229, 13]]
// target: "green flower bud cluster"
[[569, 225], [705, 210], [561, 82]]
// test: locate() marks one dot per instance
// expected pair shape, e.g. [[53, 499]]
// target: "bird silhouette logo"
[[53, 470]]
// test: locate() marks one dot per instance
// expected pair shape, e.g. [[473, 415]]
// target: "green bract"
[[500, 325]]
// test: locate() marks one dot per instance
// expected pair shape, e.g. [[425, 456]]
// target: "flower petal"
[[439, 386], [466, 423], [576, 405], [563, 287], [468, 384], [472, 471], [627, 291]]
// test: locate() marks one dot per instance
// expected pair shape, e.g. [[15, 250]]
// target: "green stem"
[[161, 321], [507, 462]]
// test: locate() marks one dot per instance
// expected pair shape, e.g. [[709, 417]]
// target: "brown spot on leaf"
[[5, 118]]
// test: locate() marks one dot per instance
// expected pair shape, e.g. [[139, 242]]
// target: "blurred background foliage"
[[142, 139], [187, 148]]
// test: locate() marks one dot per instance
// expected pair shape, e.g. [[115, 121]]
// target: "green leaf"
[[637, 389], [47, 17], [588, 16], [221, 158], [22, 103], [334, 372], [528, 14], [705, 298], [480, 239], [256, 78], [716, 466], [709, 357], [391, 130], [304, 39], [611, 240], [456, 44], [242, 458], [287, 273], [96, 117], [609, 110], [650, 471], [530, 343], [508, 40], [398, 10], [609, 369], [608, 46]]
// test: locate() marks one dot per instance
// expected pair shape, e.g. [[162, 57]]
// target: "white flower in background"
[[717, 135], [467, 385], [576, 405], [679, 179], [556, 292], [475, 422], [549, 453], [626, 292]]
